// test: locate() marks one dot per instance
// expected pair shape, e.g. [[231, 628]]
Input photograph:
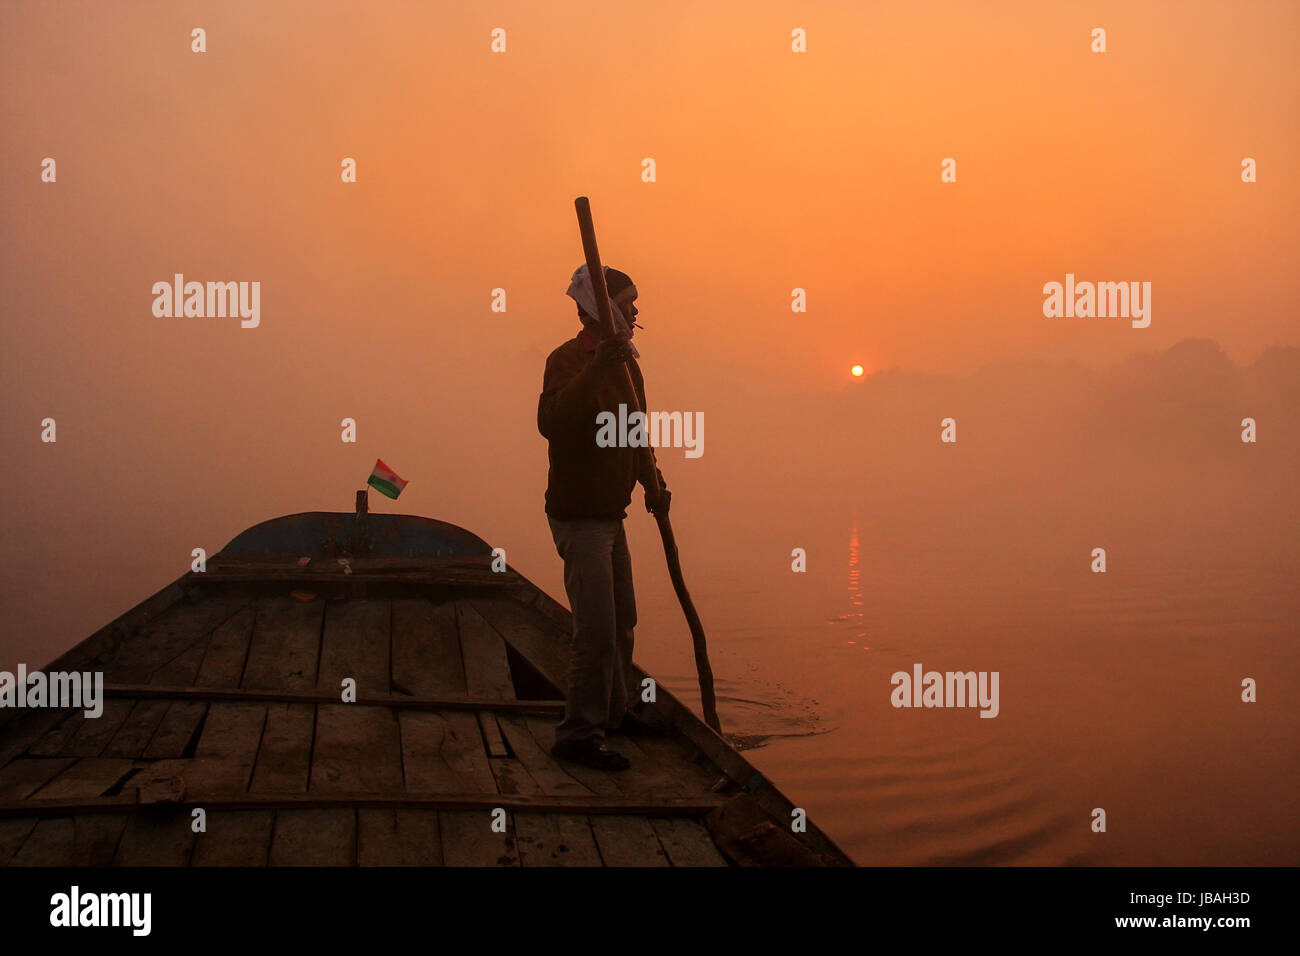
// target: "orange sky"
[[775, 170]]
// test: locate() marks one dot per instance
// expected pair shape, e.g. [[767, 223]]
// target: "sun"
[[857, 371]]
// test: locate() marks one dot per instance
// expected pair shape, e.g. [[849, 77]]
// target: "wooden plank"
[[538, 638], [285, 645], [626, 840], [314, 838], [235, 838], [176, 730], [87, 777], [426, 650], [549, 773], [52, 742], [748, 835], [487, 668], [95, 838], [227, 650], [398, 838], [184, 667], [468, 840], [284, 757], [137, 730], [443, 753], [493, 741], [356, 749], [22, 777], [51, 843], [459, 702], [19, 734], [644, 777], [96, 732], [556, 839], [158, 643], [227, 748], [355, 645], [687, 842], [13, 832], [160, 838], [487, 674], [592, 804]]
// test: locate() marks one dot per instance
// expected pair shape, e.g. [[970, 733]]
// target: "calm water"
[[1117, 690]]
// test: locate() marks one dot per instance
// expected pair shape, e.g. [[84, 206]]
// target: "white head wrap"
[[581, 292]]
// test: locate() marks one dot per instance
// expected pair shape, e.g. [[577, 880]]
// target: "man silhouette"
[[588, 489]]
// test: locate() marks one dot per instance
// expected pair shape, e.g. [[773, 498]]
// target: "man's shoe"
[[591, 753]]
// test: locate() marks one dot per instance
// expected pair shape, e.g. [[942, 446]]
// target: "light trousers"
[[598, 581]]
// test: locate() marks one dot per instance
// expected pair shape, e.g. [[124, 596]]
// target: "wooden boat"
[[224, 706]]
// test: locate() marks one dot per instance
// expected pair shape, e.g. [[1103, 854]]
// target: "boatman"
[[588, 489]]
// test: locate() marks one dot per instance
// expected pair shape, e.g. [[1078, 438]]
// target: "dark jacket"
[[585, 480]]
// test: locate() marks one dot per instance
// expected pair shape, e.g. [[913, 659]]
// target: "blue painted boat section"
[[323, 532]]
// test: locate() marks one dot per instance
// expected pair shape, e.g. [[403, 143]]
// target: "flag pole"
[[708, 702]]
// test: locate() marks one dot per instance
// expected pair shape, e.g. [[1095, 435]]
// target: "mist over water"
[[1118, 690]]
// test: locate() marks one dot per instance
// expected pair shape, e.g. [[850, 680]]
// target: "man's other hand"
[[658, 506]]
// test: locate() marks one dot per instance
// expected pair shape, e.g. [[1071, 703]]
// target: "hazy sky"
[[775, 170]]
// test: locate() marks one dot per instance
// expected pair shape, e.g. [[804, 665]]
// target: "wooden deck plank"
[[13, 833], [487, 668], [468, 839], [137, 692], [51, 843], [183, 668], [645, 777], [22, 777], [95, 838], [87, 777], [160, 838], [687, 842], [96, 732], [426, 649], [179, 629], [227, 650], [314, 838], [176, 730], [355, 645], [626, 840], [25, 730], [137, 730], [235, 838], [227, 748], [356, 749], [52, 742], [556, 839], [493, 740], [534, 635], [443, 753], [284, 757], [549, 773], [398, 838], [285, 645]]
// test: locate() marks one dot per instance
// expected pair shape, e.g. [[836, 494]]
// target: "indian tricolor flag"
[[385, 480]]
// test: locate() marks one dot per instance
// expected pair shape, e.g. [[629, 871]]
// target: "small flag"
[[385, 480]]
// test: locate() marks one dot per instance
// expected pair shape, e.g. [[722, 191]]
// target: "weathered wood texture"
[[227, 694]]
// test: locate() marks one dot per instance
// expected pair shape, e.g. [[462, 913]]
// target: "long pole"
[[708, 701]]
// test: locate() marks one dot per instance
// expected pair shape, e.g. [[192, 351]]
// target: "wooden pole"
[[708, 701]]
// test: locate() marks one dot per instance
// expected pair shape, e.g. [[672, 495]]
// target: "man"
[[588, 489]]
